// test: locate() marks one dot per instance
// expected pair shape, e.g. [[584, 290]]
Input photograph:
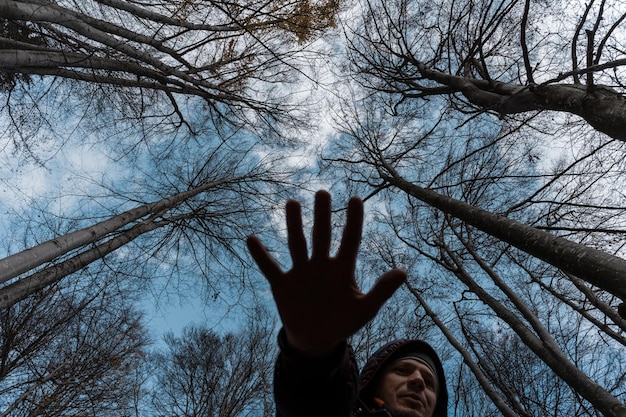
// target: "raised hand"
[[318, 299]]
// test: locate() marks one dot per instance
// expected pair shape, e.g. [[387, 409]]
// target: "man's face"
[[409, 388]]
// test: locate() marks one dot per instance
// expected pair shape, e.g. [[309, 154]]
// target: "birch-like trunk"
[[539, 340], [210, 50], [21, 262]]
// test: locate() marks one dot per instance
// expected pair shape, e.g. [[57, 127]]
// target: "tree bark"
[[27, 259], [603, 108], [215, 62], [540, 341], [596, 267], [21, 289]]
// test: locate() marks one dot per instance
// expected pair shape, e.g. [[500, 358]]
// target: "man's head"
[[407, 379], [407, 387]]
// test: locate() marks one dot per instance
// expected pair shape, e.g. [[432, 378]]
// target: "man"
[[404, 378], [321, 306]]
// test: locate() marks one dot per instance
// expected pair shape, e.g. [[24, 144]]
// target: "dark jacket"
[[332, 387]]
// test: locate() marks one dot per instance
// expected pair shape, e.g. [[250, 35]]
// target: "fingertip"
[[355, 200], [400, 273], [322, 230], [293, 214], [323, 201], [322, 194], [292, 205], [295, 235], [268, 266], [396, 278], [387, 285], [353, 231], [255, 247], [252, 240], [355, 208]]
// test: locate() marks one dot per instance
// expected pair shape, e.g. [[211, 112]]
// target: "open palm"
[[318, 299]]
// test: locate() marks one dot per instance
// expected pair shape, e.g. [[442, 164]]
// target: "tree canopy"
[[143, 141]]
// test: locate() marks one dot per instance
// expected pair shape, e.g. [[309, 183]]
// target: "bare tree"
[[397, 319], [204, 374], [500, 58], [70, 350], [202, 206], [110, 64], [427, 179], [230, 54]]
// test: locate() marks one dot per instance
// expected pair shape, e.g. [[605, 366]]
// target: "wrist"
[[312, 350]]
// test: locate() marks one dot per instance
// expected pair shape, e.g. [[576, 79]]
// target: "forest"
[[142, 142]]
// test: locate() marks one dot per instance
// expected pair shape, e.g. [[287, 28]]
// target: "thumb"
[[384, 288]]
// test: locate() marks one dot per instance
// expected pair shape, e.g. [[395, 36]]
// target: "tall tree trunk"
[[28, 259], [497, 400], [596, 267], [602, 107], [21, 289]]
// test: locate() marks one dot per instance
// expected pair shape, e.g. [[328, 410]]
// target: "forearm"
[[313, 387]]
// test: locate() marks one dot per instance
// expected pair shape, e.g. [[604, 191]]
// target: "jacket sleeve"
[[312, 387]]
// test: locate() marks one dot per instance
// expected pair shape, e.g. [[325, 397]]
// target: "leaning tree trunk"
[[21, 289], [482, 379], [596, 267], [14, 265], [601, 107]]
